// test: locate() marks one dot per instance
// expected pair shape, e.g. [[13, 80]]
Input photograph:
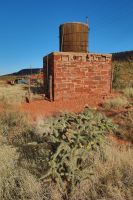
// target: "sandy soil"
[[46, 108]]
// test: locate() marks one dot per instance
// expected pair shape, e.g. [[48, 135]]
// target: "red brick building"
[[71, 75]]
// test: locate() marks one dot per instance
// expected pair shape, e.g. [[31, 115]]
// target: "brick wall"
[[77, 74]]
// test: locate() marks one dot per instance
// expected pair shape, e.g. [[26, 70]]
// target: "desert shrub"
[[122, 74], [128, 92], [116, 75], [125, 125], [67, 142], [15, 182], [13, 123], [112, 176], [116, 103]]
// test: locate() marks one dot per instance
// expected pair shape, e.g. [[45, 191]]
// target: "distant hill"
[[25, 72], [123, 56]]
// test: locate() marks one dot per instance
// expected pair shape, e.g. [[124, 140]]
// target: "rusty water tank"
[[74, 37]]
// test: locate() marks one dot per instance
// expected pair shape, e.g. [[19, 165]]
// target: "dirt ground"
[[44, 108]]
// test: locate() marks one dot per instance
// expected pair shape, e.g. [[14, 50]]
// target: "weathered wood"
[[50, 88]]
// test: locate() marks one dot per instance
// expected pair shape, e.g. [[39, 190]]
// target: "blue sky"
[[29, 28]]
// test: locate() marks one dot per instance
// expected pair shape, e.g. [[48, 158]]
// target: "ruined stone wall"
[[77, 74]]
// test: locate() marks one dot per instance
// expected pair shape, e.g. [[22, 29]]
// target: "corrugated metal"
[[74, 37]]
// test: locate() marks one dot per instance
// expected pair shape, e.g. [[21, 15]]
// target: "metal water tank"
[[74, 37]]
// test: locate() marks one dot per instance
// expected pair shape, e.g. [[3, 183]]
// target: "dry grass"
[[10, 95], [16, 94], [110, 168], [122, 74], [116, 103], [15, 182], [128, 92], [125, 125], [13, 123], [111, 179]]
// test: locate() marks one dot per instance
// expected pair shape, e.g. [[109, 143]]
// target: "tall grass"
[[128, 92], [13, 123], [112, 176], [122, 74], [125, 125], [11, 95], [116, 103], [15, 182]]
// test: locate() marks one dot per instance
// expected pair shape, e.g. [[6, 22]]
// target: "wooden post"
[[112, 77], [50, 88], [29, 91]]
